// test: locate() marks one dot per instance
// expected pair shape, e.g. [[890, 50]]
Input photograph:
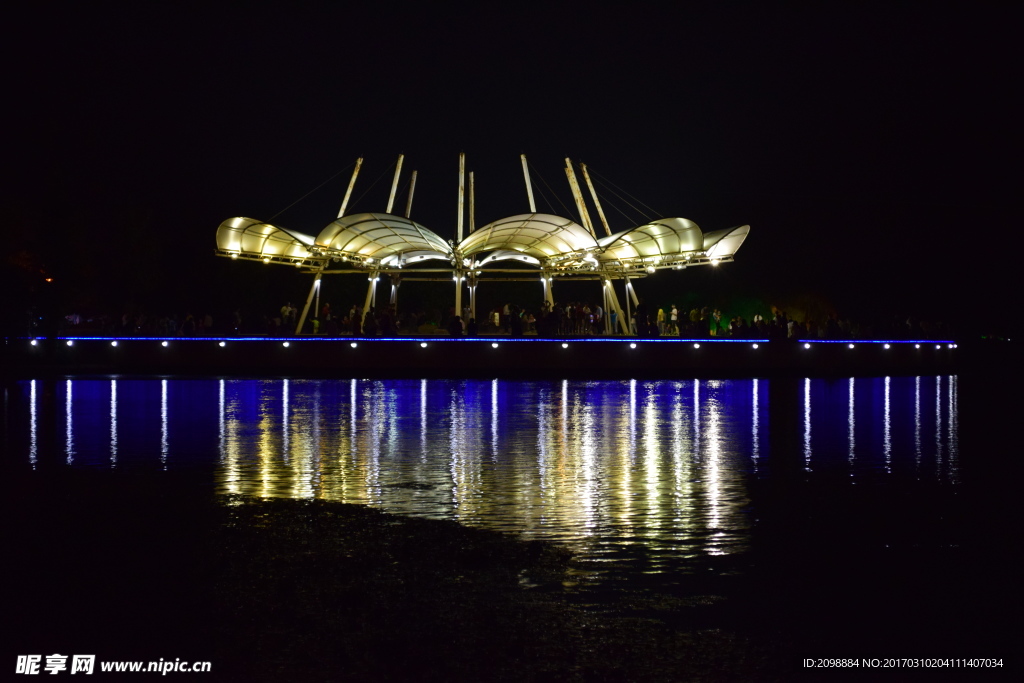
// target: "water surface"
[[636, 478]]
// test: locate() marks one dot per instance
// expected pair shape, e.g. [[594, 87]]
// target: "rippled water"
[[632, 476]]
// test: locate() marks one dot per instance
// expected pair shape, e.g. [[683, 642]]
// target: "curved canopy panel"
[[663, 237], [379, 236], [414, 256], [725, 243], [539, 235], [508, 255], [256, 238]]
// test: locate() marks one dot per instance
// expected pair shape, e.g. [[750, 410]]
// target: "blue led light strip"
[[488, 340]]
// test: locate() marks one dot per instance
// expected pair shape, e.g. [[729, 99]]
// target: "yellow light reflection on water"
[[221, 435], [316, 449], [457, 448], [369, 441], [494, 418], [712, 462], [229, 452], [423, 415], [265, 446], [652, 449], [545, 419], [299, 455], [624, 502], [587, 489], [696, 416], [284, 420], [652, 463], [682, 474]]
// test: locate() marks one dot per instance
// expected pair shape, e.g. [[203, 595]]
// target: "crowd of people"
[[777, 324], [143, 324], [574, 318], [577, 318]]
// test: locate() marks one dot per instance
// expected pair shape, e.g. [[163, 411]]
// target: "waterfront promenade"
[[488, 356]]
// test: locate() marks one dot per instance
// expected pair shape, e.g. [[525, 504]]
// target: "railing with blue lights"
[[495, 341]]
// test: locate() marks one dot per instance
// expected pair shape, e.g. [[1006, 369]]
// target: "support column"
[[458, 293], [629, 291], [606, 317], [316, 305], [309, 299], [396, 281], [549, 285], [613, 300], [632, 292], [370, 292]]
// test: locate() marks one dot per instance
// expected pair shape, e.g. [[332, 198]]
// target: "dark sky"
[[868, 147]]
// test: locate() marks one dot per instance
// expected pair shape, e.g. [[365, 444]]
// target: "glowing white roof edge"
[[519, 238]]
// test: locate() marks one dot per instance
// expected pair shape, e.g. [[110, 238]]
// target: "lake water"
[[645, 482]]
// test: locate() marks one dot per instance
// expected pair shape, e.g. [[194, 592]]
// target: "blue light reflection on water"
[[33, 426], [603, 467], [69, 446]]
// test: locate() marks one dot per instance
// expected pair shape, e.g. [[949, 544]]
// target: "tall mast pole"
[[351, 184], [529, 187], [597, 202], [412, 188], [319, 273], [578, 196], [472, 224], [457, 273], [462, 193], [394, 183]]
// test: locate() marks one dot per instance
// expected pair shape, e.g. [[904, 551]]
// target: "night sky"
[[868, 147]]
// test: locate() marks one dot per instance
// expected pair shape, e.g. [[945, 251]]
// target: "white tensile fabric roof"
[[663, 237], [539, 235], [376, 240], [380, 236], [250, 236], [725, 243]]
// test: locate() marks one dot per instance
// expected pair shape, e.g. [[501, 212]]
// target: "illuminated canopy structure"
[[385, 244]]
